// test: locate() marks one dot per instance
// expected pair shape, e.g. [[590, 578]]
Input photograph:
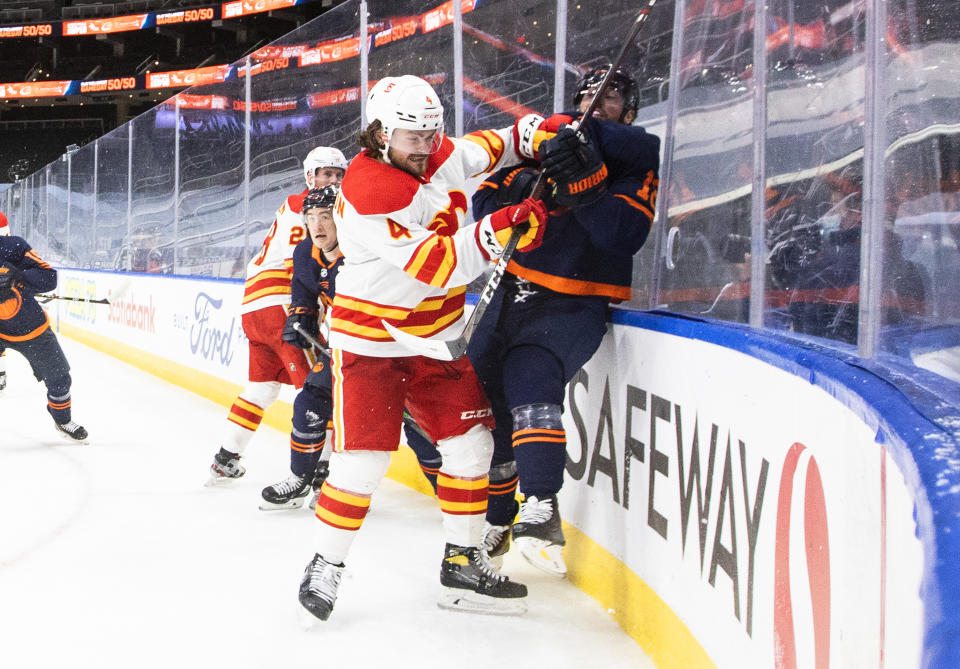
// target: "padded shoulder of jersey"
[[295, 202], [372, 187]]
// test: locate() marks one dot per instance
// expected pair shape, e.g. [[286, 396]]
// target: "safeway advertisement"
[[760, 508]]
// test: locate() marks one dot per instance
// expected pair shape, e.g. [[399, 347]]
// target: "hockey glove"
[[575, 167], [494, 230], [516, 186], [8, 279], [307, 318], [530, 130]]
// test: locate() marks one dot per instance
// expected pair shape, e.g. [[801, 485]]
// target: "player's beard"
[[411, 163]]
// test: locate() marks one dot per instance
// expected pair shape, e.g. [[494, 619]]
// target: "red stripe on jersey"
[[433, 261], [361, 318], [438, 158], [342, 508], [459, 494]]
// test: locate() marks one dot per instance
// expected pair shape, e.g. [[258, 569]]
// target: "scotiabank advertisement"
[[192, 322], [757, 506]]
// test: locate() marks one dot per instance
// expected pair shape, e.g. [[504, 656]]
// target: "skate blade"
[[68, 438], [306, 620], [467, 601], [218, 481], [292, 504], [543, 555]]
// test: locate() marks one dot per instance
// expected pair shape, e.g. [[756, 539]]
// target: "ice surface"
[[114, 554]]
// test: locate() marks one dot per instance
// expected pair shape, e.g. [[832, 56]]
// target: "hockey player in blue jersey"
[[554, 303], [316, 261], [25, 327]]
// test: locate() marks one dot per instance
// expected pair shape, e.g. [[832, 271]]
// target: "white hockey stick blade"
[[468, 601], [542, 555], [438, 349]]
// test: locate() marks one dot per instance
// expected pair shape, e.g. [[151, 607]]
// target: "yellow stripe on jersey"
[[252, 408], [396, 313], [490, 142], [433, 261], [367, 332], [337, 520], [269, 274], [463, 484], [463, 507], [346, 497], [273, 290]]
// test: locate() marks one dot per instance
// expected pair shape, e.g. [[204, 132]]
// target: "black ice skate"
[[318, 587], [226, 467], [539, 536], [495, 542], [290, 493], [72, 430], [471, 583]]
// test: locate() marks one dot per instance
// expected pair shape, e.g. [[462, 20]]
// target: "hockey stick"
[[326, 351], [313, 340], [44, 298], [454, 348]]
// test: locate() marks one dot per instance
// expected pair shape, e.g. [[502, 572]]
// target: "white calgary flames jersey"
[[408, 256], [270, 272]]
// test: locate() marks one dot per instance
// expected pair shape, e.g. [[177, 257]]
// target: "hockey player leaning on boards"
[[272, 361], [316, 261], [408, 258], [25, 327], [554, 304]]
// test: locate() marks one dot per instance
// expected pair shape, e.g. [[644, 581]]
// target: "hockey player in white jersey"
[[409, 254], [266, 297]]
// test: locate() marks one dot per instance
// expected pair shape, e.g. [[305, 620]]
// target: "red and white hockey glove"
[[494, 230], [530, 130]]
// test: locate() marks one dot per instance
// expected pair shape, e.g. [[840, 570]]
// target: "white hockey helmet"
[[320, 157], [406, 102]]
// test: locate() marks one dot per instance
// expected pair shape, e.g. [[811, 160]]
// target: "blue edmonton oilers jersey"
[[21, 317], [589, 250]]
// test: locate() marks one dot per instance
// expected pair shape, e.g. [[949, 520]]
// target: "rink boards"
[[729, 505]]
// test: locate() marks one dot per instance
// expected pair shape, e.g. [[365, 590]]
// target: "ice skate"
[[539, 536], [472, 584], [226, 468], [290, 493], [323, 470], [73, 431], [495, 542], [318, 587]]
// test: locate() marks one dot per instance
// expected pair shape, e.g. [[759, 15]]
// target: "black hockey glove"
[[516, 186], [307, 318], [8, 279], [575, 167]]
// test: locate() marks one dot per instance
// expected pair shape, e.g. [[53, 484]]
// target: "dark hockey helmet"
[[622, 82], [320, 198]]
